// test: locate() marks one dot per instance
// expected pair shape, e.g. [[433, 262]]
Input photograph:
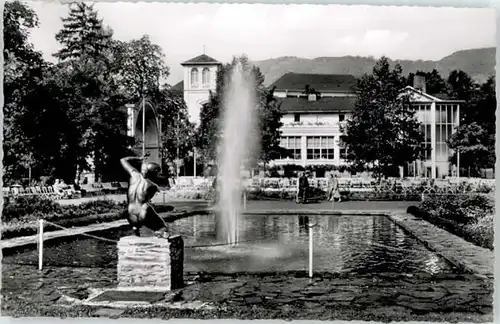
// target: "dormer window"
[[194, 78], [205, 76]]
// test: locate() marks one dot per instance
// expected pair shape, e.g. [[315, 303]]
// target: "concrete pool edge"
[[454, 249]]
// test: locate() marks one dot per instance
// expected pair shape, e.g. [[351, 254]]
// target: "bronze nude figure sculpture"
[[141, 190]]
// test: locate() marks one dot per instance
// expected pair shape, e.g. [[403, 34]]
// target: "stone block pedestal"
[[150, 263]]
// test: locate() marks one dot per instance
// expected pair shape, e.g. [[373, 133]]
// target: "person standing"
[[303, 187], [333, 185]]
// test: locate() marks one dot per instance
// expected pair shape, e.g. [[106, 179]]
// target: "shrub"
[[30, 208], [482, 232], [484, 188], [468, 216], [463, 209], [15, 208]]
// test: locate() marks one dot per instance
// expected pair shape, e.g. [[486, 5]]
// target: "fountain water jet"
[[236, 143]]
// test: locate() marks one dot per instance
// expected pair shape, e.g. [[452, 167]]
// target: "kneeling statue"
[[141, 190]]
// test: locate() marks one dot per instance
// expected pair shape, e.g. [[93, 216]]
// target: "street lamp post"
[[194, 162], [178, 148], [143, 125]]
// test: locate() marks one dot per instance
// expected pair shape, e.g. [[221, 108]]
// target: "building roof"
[[440, 98], [200, 60], [178, 86], [320, 82], [322, 105]]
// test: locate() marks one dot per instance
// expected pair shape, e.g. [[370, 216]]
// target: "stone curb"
[[26, 241], [454, 249]]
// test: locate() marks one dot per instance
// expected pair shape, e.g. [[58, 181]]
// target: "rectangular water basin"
[[267, 243]]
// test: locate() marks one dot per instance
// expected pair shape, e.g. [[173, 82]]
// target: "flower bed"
[[467, 216]]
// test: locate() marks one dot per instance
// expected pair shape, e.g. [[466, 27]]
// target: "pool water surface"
[[270, 243]]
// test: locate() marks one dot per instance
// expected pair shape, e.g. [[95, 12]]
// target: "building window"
[[320, 147], [422, 112], [343, 148], [341, 117], [205, 76], [194, 78], [296, 118], [292, 145], [445, 123]]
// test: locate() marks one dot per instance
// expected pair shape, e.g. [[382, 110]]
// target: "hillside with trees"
[[478, 63]]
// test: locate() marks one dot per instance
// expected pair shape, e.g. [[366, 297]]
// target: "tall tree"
[[475, 137], [23, 72], [142, 73], [178, 138], [89, 65], [143, 67], [82, 34], [475, 146], [383, 132], [462, 87], [268, 113]]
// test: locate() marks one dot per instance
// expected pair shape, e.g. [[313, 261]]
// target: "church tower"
[[200, 75]]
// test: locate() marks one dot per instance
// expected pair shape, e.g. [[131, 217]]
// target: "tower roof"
[[200, 60]]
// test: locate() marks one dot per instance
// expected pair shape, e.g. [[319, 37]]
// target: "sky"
[[268, 31]]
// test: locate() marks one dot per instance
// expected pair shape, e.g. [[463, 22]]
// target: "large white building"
[[311, 130], [312, 124]]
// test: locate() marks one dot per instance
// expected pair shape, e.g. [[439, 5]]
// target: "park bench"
[[89, 189], [35, 191], [38, 191], [108, 188], [117, 187], [25, 192], [55, 194]]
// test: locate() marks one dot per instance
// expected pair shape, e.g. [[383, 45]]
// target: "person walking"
[[333, 186]]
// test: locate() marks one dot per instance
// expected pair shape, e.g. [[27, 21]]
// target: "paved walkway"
[[380, 297]]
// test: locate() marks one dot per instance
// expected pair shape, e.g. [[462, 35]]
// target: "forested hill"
[[478, 63]]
